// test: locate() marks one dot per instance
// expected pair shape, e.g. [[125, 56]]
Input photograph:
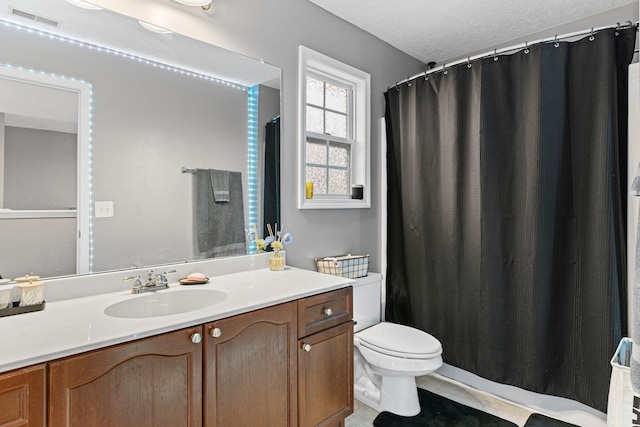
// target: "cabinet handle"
[[216, 332], [196, 338], [328, 311], [306, 347]]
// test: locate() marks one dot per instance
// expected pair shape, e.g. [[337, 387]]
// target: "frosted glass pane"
[[336, 124], [336, 98], [339, 154], [319, 178], [339, 182], [315, 120], [316, 152], [315, 89]]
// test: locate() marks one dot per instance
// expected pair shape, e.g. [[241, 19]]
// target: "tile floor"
[[363, 416]]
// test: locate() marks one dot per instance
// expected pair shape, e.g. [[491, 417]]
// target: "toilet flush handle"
[[328, 311]]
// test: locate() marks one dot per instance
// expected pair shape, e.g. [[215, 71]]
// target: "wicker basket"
[[351, 266]]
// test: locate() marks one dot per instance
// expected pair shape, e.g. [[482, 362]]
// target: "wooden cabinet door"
[[22, 397], [250, 369], [153, 382], [325, 377]]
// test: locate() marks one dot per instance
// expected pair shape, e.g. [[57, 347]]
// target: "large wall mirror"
[[112, 137]]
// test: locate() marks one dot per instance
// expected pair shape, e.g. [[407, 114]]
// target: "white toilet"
[[388, 357]]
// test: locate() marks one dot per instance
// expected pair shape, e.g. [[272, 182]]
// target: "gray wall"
[[42, 246], [1, 160], [39, 169], [40, 173], [272, 31]]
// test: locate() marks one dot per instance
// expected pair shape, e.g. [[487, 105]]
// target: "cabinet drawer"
[[323, 311]]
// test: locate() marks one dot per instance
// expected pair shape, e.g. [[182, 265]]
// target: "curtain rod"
[[524, 45], [187, 170]]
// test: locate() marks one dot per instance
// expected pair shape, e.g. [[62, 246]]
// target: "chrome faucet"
[[153, 282]]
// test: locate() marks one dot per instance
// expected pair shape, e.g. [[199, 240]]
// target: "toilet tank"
[[367, 300]]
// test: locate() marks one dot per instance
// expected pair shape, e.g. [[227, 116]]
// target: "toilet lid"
[[400, 340]]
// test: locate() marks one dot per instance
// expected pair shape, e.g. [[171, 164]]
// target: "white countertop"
[[77, 325]]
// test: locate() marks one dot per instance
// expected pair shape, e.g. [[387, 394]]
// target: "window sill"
[[320, 203]]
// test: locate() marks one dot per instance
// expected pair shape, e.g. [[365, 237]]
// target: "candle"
[[309, 190]]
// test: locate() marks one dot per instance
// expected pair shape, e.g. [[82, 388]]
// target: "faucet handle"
[[161, 278], [137, 283]]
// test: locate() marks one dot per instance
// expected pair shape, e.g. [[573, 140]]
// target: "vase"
[[276, 261]]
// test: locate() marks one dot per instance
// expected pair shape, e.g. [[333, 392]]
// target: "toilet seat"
[[400, 341]]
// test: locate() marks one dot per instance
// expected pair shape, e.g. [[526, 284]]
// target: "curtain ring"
[[408, 82], [468, 62], [426, 76], [397, 88], [444, 70], [495, 54], [526, 47], [591, 37], [556, 44], [617, 33]]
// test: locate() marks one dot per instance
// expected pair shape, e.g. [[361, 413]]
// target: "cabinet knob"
[[196, 338], [306, 347], [328, 311], [216, 332]]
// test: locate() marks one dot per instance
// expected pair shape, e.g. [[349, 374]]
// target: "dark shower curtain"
[[506, 229], [271, 194]]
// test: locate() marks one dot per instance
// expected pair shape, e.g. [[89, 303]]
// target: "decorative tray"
[[16, 309]]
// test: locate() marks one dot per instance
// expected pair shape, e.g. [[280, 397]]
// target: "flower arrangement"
[[277, 240]]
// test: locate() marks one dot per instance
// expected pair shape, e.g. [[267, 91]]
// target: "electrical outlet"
[[104, 209]]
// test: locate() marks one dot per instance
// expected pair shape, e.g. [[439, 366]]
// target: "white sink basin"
[[165, 303]]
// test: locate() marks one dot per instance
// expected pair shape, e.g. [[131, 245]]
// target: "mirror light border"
[[85, 133]]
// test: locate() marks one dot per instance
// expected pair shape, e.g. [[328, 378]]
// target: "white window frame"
[[315, 64]]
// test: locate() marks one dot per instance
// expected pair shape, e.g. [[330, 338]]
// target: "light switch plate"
[[104, 209]]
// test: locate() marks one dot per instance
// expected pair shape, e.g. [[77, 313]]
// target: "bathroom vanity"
[[278, 351]]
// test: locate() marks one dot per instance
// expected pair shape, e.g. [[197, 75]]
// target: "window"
[[334, 132]]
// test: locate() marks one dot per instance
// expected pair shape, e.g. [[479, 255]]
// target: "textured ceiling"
[[432, 30]]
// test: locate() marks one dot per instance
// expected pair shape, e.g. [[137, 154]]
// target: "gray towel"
[[220, 184], [635, 352], [219, 226]]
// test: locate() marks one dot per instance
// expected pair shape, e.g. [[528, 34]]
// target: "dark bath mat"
[[539, 420], [438, 411]]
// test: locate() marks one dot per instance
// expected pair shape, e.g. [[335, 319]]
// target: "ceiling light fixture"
[[154, 28], [205, 4], [84, 4]]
